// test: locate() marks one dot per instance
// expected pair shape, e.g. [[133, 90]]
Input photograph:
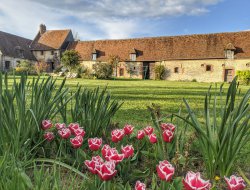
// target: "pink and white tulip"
[[193, 181], [235, 183], [165, 170]]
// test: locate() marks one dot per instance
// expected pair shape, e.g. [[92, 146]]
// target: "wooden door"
[[229, 75]]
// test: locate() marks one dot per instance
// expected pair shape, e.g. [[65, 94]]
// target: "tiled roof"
[[51, 39], [15, 46], [199, 46]]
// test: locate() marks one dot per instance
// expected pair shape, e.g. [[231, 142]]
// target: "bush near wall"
[[244, 76], [103, 70], [159, 72]]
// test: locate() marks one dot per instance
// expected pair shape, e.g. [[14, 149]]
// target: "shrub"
[[103, 70], [24, 67], [41, 67], [159, 72], [70, 59], [244, 76]]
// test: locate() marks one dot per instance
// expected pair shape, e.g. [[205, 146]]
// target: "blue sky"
[[114, 19]]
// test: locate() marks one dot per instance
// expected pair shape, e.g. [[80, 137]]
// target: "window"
[[41, 52], [7, 65], [229, 54], [176, 70], [121, 72], [133, 57], [208, 67], [52, 52], [94, 56]]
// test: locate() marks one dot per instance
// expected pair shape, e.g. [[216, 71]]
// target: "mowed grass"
[[138, 94]]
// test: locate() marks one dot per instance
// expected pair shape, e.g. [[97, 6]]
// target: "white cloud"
[[97, 18]]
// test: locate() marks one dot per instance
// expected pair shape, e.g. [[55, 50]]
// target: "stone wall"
[[196, 69], [47, 56]]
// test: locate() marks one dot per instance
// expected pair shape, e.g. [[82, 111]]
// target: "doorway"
[[146, 70], [229, 75]]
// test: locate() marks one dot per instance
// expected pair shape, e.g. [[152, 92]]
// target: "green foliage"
[[103, 70], [224, 131], [159, 72], [70, 59], [25, 66], [244, 76], [94, 110]]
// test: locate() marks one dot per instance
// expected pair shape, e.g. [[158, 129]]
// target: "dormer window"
[[229, 51], [132, 55], [94, 55]]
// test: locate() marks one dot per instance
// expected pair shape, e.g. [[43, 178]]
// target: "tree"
[[70, 59], [113, 61]]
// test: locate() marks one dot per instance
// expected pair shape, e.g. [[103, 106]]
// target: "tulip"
[[152, 138], [165, 170], [140, 134], [49, 136], [76, 142], [46, 124], [128, 151], [168, 126], [128, 129], [235, 183], [117, 158], [73, 127], [140, 186], [94, 164], [64, 133], [117, 135], [79, 132], [193, 181], [60, 126], [94, 143], [107, 171], [149, 130], [105, 149], [168, 135]]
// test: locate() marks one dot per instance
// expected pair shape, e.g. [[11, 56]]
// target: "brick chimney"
[[42, 28]]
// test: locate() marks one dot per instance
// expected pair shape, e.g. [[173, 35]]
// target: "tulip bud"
[[165, 170], [46, 124], [128, 129], [149, 130], [152, 138], [94, 143], [49, 136]]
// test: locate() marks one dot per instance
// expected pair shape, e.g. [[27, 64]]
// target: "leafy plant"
[[94, 110], [70, 59], [103, 70], [244, 76], [159, 72], [225, 129]]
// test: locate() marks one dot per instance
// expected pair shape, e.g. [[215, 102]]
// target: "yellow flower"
[[217, 178]]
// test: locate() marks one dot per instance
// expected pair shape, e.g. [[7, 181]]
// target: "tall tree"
[[70, 59]]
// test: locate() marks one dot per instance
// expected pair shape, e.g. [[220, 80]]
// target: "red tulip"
[[168, 135], [140, 134], [49, 136], [46, 124], [152, 138], [94, 164], [76, 142], [64, 133], [73, 127], [79, 132], [165, 170], [168, 126], [117, 135], [60, 126], [149, 130], [107, 171], [140, 186], [94, 143], [128, 129], [117, 158], [193, 181], [128, 151], [235, 183], [105, 149]]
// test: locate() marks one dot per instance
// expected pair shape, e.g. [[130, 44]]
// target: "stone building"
[[14, 49], [205, 57], [48, 45]]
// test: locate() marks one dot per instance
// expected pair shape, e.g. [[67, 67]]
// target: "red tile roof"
[[51, 39], [201, 46]]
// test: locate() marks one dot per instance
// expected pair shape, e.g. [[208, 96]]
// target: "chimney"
[[42, 29]]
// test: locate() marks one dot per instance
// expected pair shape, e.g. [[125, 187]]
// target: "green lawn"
[[138, 94]]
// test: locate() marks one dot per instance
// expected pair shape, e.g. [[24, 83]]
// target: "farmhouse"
[[204, 57], [13, 49]]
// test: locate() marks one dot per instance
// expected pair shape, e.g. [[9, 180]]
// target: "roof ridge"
[[15, 35]]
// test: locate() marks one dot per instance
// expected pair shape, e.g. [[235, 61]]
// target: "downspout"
[[1, 61]]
